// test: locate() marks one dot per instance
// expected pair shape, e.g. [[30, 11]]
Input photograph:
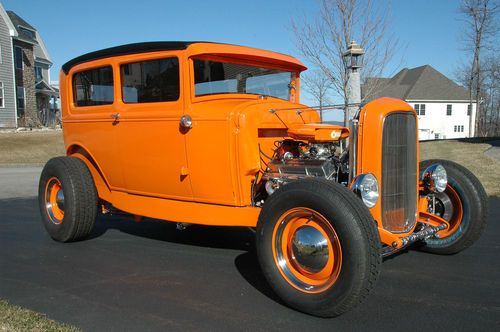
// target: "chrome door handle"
[[115, 116], [186, 121]]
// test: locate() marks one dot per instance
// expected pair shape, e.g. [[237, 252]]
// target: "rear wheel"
[[464, 204], [318, 247], [67, 199]]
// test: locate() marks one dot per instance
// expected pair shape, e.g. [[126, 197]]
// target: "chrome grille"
[[399, 172]]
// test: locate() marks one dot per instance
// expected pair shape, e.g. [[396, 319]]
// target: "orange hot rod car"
[[214, 134]]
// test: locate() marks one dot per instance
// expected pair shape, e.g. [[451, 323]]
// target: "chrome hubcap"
[[307, 250], [60, 200], [310, 249]]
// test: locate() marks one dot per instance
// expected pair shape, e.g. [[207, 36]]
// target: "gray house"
[[8, 108], [29, 98]]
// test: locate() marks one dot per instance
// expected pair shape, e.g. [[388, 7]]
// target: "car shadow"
[[237, 238], [249, 268]]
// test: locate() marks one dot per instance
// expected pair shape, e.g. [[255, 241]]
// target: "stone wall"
[[26, 78]]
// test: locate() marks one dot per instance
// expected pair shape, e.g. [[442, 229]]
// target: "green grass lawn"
[[469, 155], [17, 319], [30, 147]]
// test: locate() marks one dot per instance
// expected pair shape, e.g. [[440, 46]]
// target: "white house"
[[441, 104]]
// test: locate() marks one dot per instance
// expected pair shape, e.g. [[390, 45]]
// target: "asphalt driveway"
[[149, 276]]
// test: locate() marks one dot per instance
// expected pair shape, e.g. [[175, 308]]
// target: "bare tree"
[[481, 26], [323, 40], [488, 123], [318, 86]]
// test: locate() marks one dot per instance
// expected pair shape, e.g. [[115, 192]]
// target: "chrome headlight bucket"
[[435, 178], [366, 187]]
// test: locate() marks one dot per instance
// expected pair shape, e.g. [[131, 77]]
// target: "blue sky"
[[429, 29]]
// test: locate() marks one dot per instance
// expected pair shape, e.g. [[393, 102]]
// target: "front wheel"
[[464, 204], [318, 247]]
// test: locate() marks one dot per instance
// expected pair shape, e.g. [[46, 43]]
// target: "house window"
[[1, 95], [469, 107], [462, 129], [448, 109], [38, 74], [150, 81], [436, 136], [455, 129], [420, 109], [93, 87], [20, 98], [27, 32], [458, 129], [18, 57]]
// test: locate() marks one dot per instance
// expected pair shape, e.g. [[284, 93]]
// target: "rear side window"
[[93, 87], [150, 81]]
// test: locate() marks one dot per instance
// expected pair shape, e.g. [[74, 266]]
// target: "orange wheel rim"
[[307, 250], [54, 200], [453, 209]]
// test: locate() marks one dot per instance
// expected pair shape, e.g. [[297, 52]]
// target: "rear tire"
[[67, 199], [464, 204], [318, 247]]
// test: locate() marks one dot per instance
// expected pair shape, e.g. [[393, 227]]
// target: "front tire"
[[67, 199], [464, 204], [318, 247]]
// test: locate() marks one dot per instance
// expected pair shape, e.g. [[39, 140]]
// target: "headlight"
[[366, 187], [435, 178]]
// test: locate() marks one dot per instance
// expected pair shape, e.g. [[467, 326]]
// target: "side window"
[[150, 81], [93, 87]]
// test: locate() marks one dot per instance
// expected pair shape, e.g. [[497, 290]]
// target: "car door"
[[90, 125], [152, 146], [210, 144]]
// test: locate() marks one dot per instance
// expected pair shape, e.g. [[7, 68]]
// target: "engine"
[[294, 160]]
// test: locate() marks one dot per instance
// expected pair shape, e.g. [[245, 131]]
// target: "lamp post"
[[354, 60]]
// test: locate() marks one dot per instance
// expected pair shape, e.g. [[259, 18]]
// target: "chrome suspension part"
[[426, 231]]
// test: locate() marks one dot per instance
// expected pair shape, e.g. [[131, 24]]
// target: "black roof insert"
[[127, 49]]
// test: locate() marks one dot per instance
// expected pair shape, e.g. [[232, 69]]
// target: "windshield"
[[213, 77]]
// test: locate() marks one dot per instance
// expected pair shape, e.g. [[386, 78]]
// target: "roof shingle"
[[421, 83]]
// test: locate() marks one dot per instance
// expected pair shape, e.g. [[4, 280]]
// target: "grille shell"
[[399, 172]]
